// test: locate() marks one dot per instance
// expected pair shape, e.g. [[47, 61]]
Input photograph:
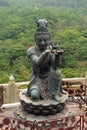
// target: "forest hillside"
[[67, 24]]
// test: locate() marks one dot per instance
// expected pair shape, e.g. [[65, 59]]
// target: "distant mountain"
[[47, 3], [63, 3], [4, 3]]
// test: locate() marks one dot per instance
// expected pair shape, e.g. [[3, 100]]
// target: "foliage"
[[67, 23]]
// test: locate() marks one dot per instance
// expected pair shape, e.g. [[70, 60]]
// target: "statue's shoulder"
[[31, 50]]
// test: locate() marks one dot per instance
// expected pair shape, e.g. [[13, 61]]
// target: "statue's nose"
[[42, 42]]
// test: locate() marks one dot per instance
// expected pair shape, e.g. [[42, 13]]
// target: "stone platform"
[[42, 107], [71, 109], [47, 111], [29, 111]]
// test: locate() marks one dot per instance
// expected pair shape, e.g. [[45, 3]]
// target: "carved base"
[[42, 107], [71, 109], [21, 113]]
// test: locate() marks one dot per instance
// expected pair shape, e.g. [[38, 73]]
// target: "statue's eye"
[[38, 39], [46, 39]]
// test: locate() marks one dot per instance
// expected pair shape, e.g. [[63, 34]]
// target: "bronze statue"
[[46, 81]]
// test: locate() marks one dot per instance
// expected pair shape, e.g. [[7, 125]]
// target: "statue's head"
[[42, 35]]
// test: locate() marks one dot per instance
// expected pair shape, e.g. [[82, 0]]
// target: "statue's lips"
[[42, 47]]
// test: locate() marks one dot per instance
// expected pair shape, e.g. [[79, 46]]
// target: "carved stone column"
[[86, 82], [12, 90]]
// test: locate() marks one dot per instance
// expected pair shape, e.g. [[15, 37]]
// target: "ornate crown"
[[42, 25]]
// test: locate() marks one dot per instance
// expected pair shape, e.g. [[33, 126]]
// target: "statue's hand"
[[40, 60], [47, 51], [59, 52]]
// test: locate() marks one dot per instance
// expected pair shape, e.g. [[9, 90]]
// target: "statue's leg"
[[34, 92], [55, 84]]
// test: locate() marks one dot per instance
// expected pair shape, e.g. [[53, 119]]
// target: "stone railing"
[[11, 89]]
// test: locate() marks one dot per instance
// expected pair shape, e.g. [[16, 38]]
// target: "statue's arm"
[[39, 60], [35, 59]]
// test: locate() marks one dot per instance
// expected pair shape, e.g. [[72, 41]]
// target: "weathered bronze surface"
[[46, 81], [44, 95]]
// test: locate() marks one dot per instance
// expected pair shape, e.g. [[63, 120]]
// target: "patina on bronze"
[[46, 77], [46, 81]]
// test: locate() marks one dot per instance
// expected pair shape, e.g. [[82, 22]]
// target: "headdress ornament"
[[42, 26]]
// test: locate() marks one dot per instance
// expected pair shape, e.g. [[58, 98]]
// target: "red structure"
[[75, 121], [1, 97]]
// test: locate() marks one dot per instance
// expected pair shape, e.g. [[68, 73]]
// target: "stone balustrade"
[[11, 89]]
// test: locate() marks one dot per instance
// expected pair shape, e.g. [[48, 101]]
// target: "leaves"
[[66, 24]]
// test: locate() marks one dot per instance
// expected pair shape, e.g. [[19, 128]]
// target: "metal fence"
[[77, 122]]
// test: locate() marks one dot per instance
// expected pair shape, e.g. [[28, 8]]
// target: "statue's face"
[[42, 41]]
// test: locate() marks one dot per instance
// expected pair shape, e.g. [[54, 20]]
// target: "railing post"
[[1, 97], [86, 79], [12, 90], [86, 87], [86, 82]]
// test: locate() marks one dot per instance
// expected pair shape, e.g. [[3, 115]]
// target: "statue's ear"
[[35, 37]]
